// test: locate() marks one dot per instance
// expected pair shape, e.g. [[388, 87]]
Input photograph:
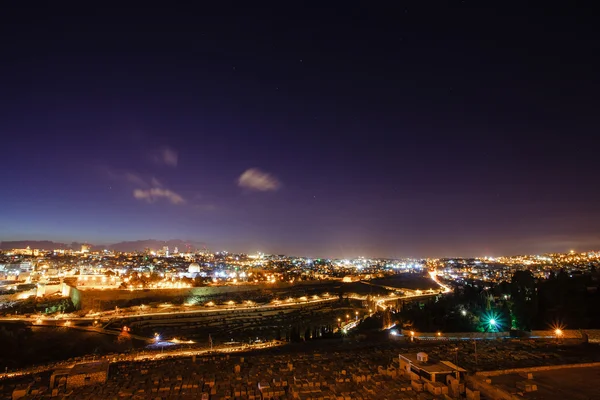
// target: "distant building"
[[24, 252], [82, 374], [194, 268], [429, 370], [85, 248]]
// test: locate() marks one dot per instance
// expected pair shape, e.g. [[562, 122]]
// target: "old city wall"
[[98, 299]]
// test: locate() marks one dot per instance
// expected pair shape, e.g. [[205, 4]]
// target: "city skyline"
[[178, 246], [338, 133]]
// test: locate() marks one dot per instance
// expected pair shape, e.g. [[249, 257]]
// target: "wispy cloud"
[[153, 194], [255, 179], [148, 189], [134, 178], [155, 182], [165, 156]]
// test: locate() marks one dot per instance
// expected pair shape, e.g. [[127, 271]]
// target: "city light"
[[491, 321], [558, 332]]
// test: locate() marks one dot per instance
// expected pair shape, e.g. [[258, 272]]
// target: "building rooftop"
[[431, 366], [90, 367]]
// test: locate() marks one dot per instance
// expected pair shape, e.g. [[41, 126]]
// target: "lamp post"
[[558, 333]]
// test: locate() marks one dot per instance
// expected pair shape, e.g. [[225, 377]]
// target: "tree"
[[307, 334], [524, 298]]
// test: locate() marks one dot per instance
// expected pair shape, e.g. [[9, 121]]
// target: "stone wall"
[[535, 369], [93, 378], [96, 299], [455, 335], [99, 299], [488, 390], [593, 335]]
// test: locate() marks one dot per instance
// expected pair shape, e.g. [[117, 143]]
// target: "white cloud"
[[123, 176], [154, 194], [155, 182], [166, 156], [134, 178], [255, 179]]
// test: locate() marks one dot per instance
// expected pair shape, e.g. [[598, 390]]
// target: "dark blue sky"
[[407, 131]]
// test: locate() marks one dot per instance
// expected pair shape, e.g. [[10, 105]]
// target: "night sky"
[[333, 132]]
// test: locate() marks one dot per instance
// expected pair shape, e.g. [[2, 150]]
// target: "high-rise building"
[[85, 248]]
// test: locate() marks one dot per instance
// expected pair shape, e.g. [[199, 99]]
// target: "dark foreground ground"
[[567, 383], [353, 369]]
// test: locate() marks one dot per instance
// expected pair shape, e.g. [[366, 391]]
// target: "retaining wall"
[[593, 335], [535, 369], [489, 390]]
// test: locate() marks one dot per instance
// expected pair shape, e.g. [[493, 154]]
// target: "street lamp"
[[492, 321], [558, 332]]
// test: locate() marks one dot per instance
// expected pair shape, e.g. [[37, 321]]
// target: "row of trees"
[[524, 303], [299, 333]]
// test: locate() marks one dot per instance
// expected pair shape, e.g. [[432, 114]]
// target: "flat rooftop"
[[432, 365], [559, 384], [90, 367]]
